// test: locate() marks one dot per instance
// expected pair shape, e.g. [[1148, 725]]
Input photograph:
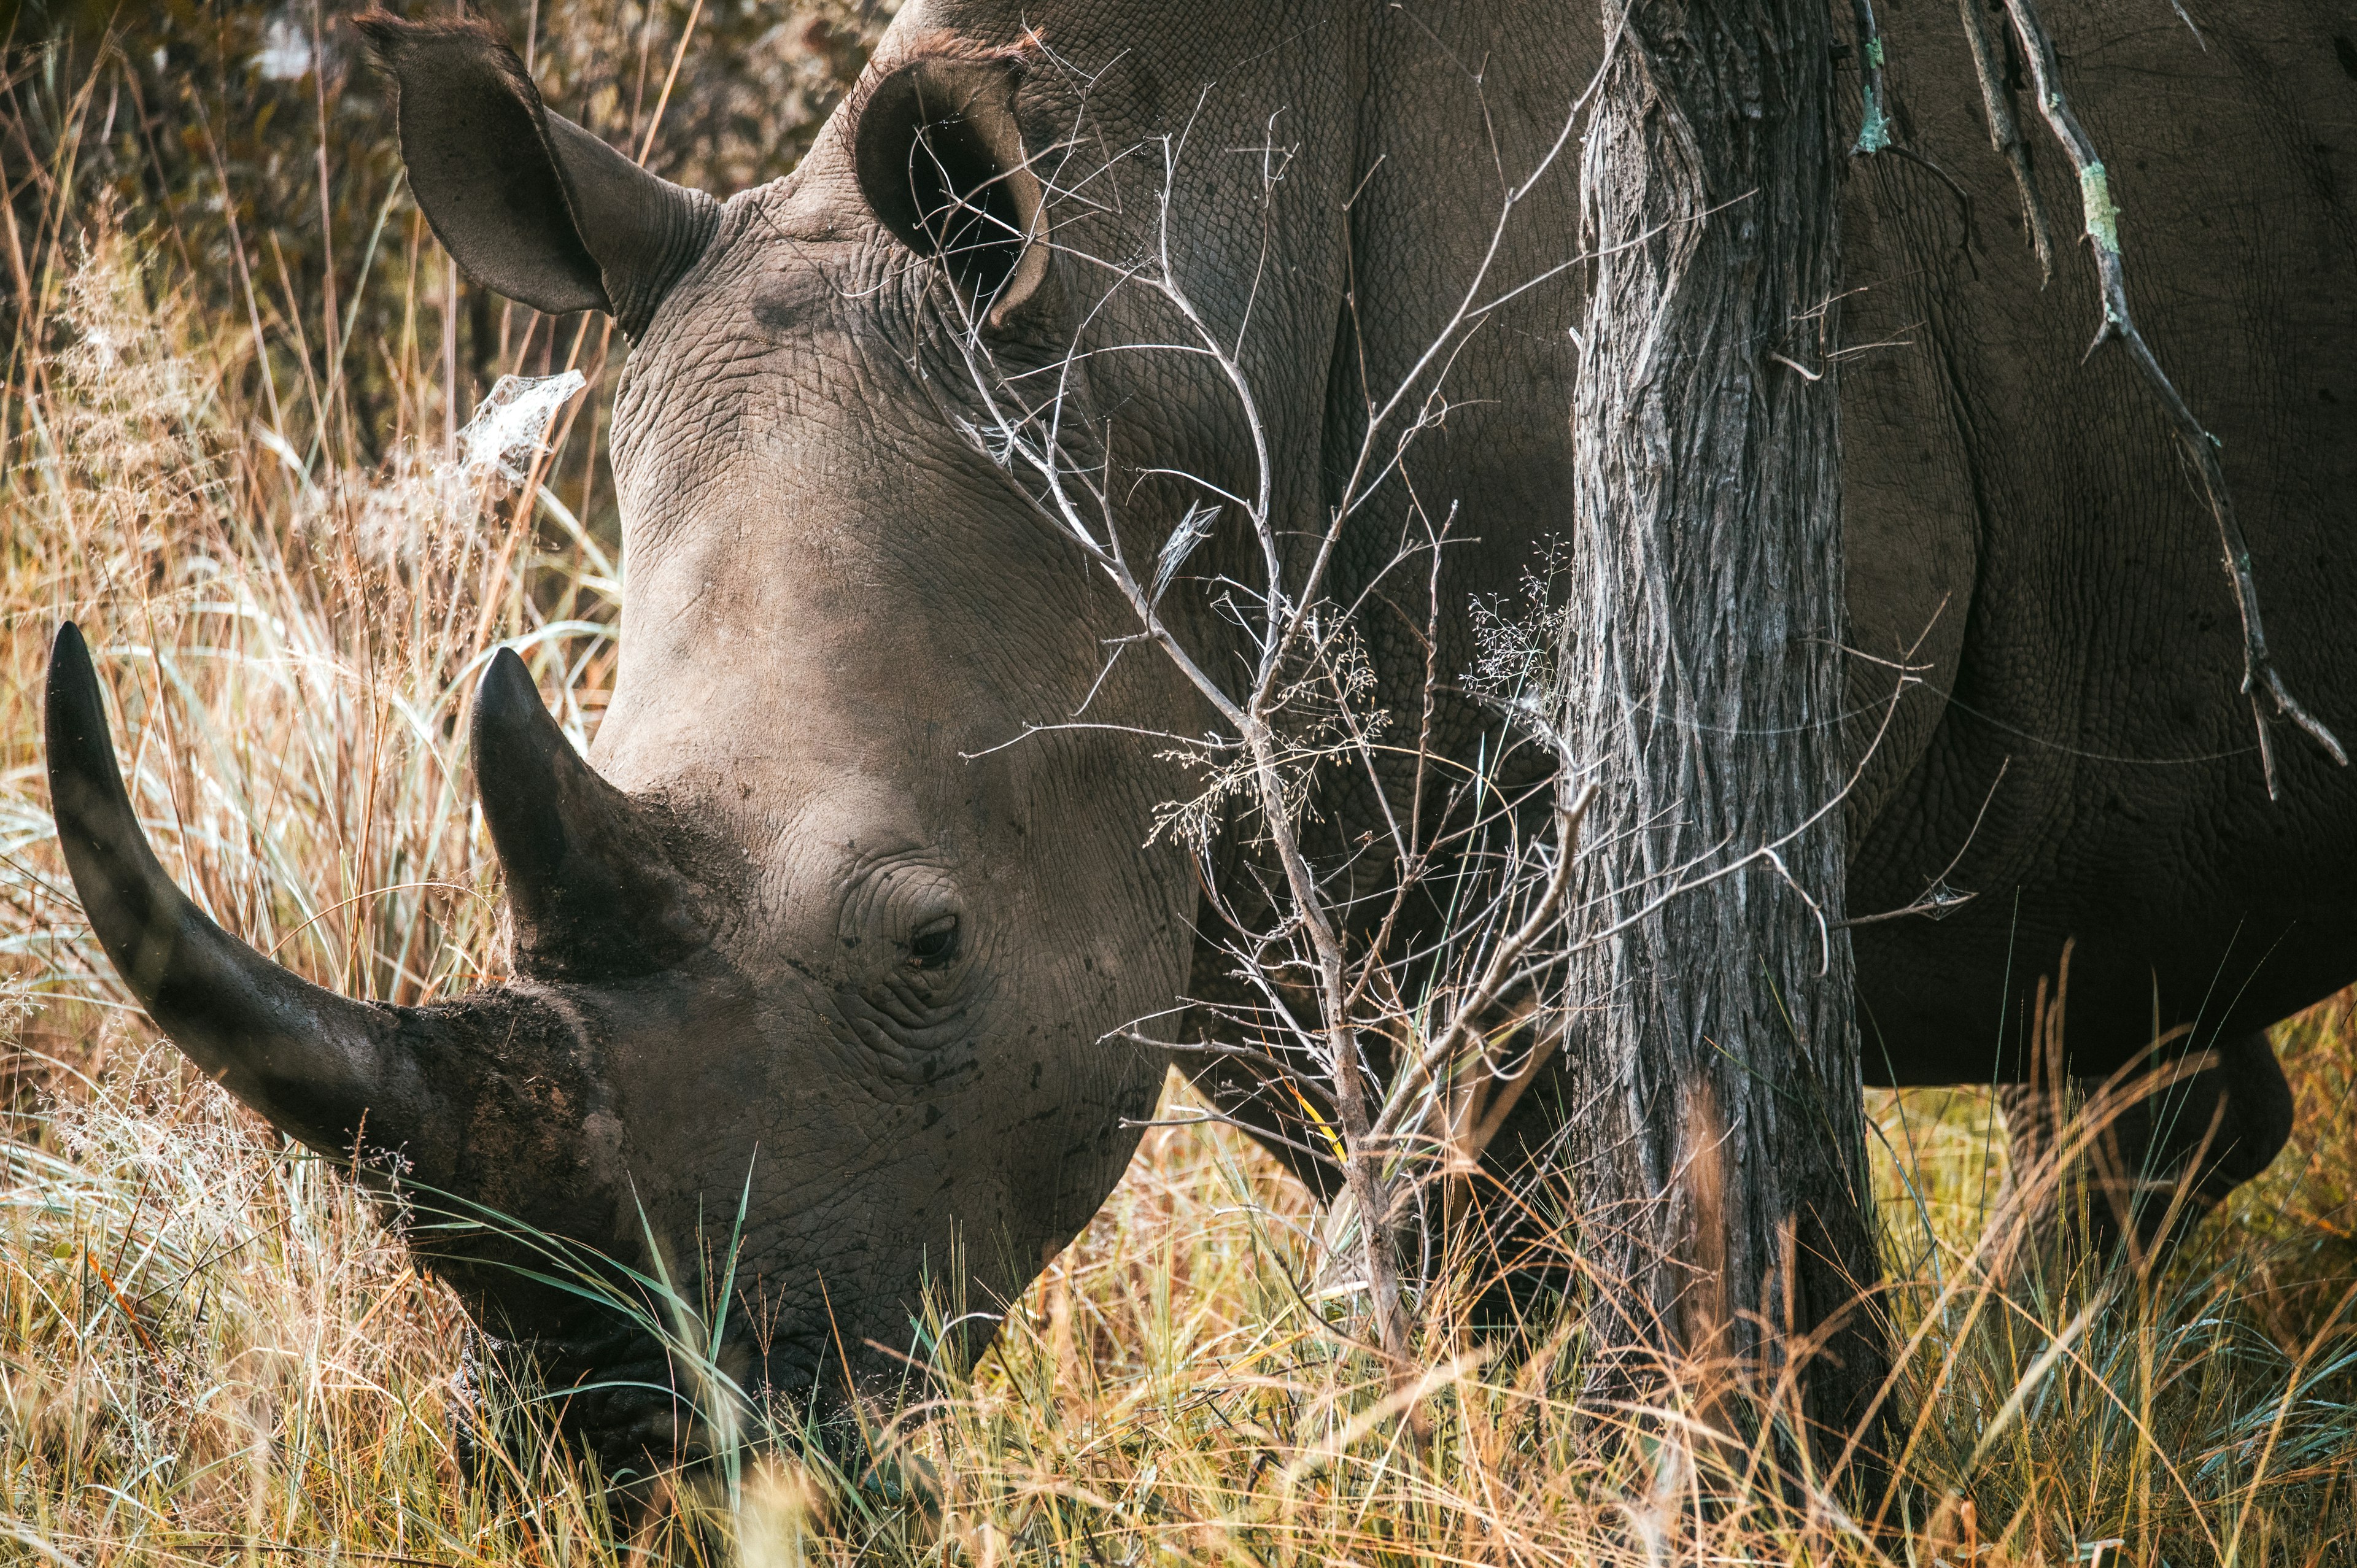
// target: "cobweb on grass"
[[509, 428], [427, 505]]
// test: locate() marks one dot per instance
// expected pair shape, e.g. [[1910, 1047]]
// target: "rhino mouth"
[[640, 1408]]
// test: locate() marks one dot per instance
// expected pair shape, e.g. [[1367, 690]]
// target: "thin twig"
[[1492, 985]]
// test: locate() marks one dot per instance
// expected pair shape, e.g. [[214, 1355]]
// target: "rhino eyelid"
[[935, 944]]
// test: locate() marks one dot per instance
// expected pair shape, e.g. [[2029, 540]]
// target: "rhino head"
[[803, 932]]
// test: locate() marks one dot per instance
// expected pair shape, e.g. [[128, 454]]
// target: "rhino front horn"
[[321, 1067]]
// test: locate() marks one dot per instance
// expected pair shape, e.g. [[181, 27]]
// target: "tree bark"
[[1718, 1150]]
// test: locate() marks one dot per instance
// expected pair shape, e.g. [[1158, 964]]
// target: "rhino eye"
[[934, 944]]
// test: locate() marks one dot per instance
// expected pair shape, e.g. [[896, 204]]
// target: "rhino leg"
[[2159, 1164]]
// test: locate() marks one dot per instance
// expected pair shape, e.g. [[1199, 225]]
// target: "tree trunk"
[[1718, 1158]]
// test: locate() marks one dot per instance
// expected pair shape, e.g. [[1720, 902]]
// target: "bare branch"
[[2261, 678]]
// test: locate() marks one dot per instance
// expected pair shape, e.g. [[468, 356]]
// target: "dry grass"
[[214, 1350]]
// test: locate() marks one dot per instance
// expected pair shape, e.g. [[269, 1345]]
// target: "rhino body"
[[814, 933]]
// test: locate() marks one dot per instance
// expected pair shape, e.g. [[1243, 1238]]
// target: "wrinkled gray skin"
[[838, 612]]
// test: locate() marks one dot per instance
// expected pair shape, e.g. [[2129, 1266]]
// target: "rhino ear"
[[528, 202], [940, 158]]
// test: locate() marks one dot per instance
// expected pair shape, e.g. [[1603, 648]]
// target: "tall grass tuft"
[[241, 471]]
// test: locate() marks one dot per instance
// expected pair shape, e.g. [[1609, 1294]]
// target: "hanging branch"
[[2259, 673], [2005, 135], [1874, 124], [1874, 128]]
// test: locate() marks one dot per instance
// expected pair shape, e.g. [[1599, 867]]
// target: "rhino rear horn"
[[587, 880], [321, 1067], [527, 202]]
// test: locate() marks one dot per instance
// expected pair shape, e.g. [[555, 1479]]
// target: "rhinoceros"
[[804, 931]]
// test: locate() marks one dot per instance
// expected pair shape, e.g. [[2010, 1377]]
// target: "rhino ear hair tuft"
[[939, 154], [527, 202]]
